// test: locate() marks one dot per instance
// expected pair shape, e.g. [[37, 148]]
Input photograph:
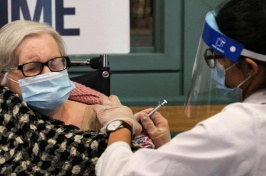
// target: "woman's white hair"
[[12, 34]]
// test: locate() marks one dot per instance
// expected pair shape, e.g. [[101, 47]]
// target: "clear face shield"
[[208, 89]]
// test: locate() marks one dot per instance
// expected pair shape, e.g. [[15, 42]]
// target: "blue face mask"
[[46, 92], [218, 75]]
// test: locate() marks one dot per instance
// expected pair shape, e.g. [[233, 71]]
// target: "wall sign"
[[87, 26]]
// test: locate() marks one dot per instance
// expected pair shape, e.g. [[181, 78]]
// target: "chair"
[[98, 79]]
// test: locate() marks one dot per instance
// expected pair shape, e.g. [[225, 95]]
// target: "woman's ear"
[[252, 66]]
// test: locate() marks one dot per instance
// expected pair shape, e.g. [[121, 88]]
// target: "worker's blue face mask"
[[218, 75], [46, 92]]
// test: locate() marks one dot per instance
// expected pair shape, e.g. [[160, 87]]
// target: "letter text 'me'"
[[21, 9]]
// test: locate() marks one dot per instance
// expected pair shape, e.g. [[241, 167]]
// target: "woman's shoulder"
[[90, 121]]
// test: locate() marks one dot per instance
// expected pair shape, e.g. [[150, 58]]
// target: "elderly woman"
[[34, 65], [41, 135]]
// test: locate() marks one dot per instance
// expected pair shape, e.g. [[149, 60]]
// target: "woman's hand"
[[156, 127], [111, 109]]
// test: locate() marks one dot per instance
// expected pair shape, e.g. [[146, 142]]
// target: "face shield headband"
[[223, 44], [204, 93]]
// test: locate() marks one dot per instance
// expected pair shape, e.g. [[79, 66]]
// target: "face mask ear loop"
[[12, 80], [249, 76], [232, 65]]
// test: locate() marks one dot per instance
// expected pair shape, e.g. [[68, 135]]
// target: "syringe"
[[157, 107]]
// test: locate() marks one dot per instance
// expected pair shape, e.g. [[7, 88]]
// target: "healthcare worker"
[[232, 55]]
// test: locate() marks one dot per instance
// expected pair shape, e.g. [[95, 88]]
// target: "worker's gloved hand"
[[111, 109], [156, 127]]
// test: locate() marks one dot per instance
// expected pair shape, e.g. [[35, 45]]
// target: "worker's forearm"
[[122, 134]]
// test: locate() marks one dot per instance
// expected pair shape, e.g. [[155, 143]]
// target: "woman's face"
[[41, 48]]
